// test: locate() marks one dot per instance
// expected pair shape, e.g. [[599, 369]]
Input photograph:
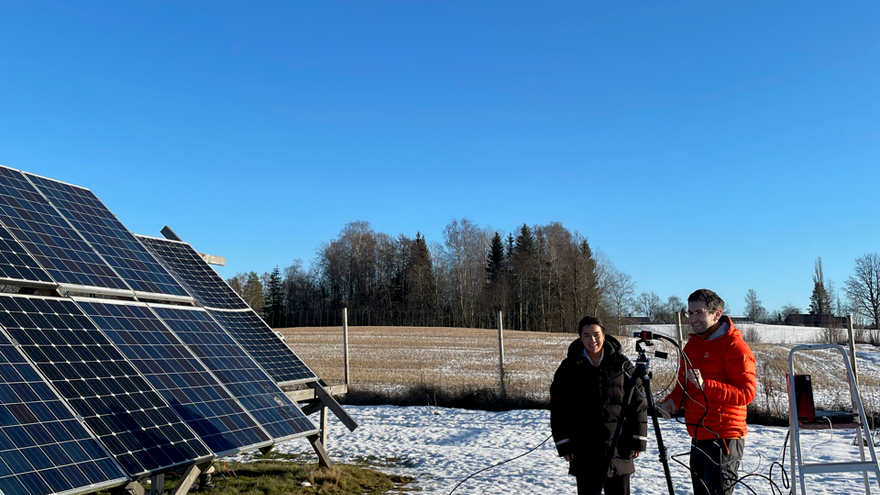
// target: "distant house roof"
[[808, 320], [635, 320], [741, 319]]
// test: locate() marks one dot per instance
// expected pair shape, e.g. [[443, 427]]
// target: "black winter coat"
[[586, 404]]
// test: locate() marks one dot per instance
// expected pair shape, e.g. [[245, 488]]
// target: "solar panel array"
[[49, 238], [228, 309], [96, 392], [106, 234], [191, 390], [129, 417], [43, 448], [264, 346], [256, 391], [204, 284]]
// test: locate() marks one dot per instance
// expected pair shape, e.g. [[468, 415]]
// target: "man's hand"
[[634, 453], [696, 378], [667, 409], [568, 457]]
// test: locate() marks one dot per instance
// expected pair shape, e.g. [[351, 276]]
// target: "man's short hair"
[[589, 320], [712, 300]]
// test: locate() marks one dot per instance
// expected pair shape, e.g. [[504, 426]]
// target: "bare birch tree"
[[863, 287]]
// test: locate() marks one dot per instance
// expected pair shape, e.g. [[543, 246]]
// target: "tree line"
[[543, 278]]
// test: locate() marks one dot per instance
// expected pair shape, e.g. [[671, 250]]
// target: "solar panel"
[[192, 391], [209, 289], [263, 344], [46, 236], [17, 267], [253, 388], [43, 448], [105, 233], [118, 405]]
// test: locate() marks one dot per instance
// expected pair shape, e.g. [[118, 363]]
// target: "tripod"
[[641, 373]]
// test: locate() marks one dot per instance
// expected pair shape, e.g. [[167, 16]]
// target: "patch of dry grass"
[[282, 476], [396, 359], [389, 359]]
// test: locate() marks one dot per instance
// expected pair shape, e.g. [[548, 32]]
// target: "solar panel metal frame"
[[231, 343], [26, 238], [196, 287], [86, 231], [269, 351], [188, 355], [60, 430], [55, 378]]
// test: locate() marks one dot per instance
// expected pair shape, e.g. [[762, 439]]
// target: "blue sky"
[[698, 144]]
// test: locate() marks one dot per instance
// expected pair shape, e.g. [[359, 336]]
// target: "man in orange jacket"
[[715, 385]]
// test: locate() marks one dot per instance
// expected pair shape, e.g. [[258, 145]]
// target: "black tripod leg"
[[663, 457]]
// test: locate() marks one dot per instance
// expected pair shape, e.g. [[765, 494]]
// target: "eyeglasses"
[[700, 312]]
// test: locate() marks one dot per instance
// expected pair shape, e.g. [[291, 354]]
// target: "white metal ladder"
[[864, 466]]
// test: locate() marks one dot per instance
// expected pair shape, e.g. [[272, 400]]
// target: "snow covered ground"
[[440, 447]]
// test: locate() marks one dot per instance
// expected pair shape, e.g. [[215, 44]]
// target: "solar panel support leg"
[[323, 426], [312, 407], [323, 456], [157, 484], [133, 488], [189, 478], [334, 406]]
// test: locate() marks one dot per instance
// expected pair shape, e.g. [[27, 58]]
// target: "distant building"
[[741, 320], [635, 320], [809, 320]]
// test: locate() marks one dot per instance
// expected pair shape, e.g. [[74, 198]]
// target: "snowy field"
[[770, 334], [440, 447]]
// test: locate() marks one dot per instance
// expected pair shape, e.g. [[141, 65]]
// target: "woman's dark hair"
[[589, 320], [713, 302]]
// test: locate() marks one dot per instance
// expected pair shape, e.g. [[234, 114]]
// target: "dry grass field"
[[393, 359]]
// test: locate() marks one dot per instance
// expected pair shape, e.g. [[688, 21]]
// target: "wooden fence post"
[[501, 352], [345, 342], [852, 348], [678, 322]]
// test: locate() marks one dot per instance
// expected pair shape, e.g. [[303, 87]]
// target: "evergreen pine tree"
[[820, 300], [273, 296], [511, 243], [587, 279], [420, 282], [495, 259], [524, 272]]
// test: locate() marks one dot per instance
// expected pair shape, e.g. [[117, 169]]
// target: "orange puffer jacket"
[[727, 366]]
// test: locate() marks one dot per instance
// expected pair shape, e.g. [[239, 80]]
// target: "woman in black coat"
[[586, 403]]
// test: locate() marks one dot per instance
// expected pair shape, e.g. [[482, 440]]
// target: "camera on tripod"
[[645, 340]]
